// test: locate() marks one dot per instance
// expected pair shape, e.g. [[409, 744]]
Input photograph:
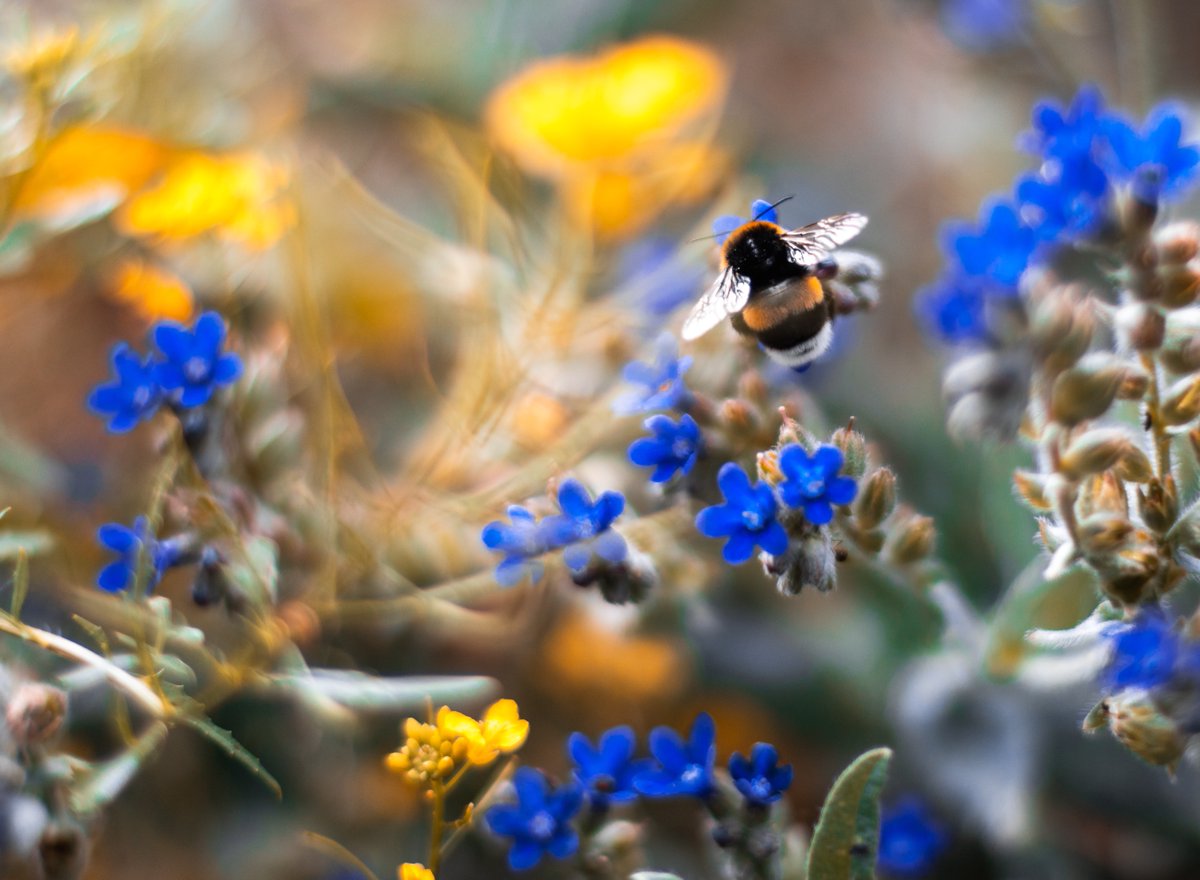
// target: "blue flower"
[[193, 365], [662, 381], [812, 482], [519, 541], [746, 518], [759, 778], [954, 309], [999, 249], [760, 209], [584, 526], [658, 278], [539, 822], [674, 447], [1148, 653], [1071, 206], [132, 396], [978, 25], [607, 770], [909, 841], [1071, 133], [684, 768], [129, 544], [1154, 159]]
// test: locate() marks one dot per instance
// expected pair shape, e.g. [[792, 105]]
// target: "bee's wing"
[[812, 243], [728, 294]]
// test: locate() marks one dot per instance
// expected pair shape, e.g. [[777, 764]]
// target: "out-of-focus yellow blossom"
[[411, 871], [428, 754], [85, 169], [153, 292], [501, 730], [41, 59], [237, 196], [624, 131]]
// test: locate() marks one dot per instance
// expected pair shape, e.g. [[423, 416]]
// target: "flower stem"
[[438, 826]]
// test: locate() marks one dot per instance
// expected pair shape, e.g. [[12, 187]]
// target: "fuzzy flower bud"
[[1102, 493], [1141, 326], [1086, 390], [1145, 731], [854, 451], [911, 540], [1181, 402], [1181, 345], [808, 562], [35, 713], [1103, 448], [1180, 285], [1031, 488], [1179, 242], [1061, 327], [877, 498]]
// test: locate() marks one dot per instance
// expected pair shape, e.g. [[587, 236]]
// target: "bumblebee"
[[770, 285]]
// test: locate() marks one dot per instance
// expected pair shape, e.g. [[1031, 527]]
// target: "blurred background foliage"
[[372, 190]]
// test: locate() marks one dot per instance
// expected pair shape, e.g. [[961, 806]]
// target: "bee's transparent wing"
[[812, 243], [728, 294]]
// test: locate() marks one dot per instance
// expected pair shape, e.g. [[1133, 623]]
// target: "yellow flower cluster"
[[412, 871], [625, 132], [436, 752]]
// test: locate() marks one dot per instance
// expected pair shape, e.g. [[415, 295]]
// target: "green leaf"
[[362, 692], [33, 543], [846, 840], [234, 749], [103, 782], [20, 584]]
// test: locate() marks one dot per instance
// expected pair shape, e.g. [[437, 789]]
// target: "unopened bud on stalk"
[[1134, 383], [737, 415], [1102, 493], [1180, 286], [1087, 390], [1061, 329], [1103, 448], [1178, 242], [1181, 345], [876, 499], [911, 539], [1124, 576], [854, 451], [1031, 488], [1145, 731], [1104, 533], [1158, 504], [1141, 326], [35, 713], [1181, 403], [753, 387]]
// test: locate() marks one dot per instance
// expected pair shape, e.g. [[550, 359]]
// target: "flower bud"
[[1086, 390], [1145, 731], [809, 562], [1061, 329], [854, 451], [1181, 403], [1102, 493], [1031, 488], [1124, 576], [1181, 345], [1180, 286], [1134, 382], [911, 539], [35, 713], [1101, 449], [1178, 242], [876, 499], [753, 387], [1158, 504], [1103, 533], [737, 416], [1140, 326]]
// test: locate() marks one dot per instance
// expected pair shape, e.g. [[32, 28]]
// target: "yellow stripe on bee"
[[801, 296]]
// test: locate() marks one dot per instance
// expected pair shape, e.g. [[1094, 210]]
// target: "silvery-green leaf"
[[32, 542], [846, 839], [362, 692]]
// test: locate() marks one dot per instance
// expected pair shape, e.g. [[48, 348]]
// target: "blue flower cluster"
[[129, 544], [1149, 653], [583, 530], [185, 372], [1086, 155], [909, 841], [660, 383], [608, 773], [749, 516]]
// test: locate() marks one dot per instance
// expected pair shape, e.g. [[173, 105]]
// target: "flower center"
[[681, 449], [541, 826], [812, 482], [760, 788], [141, 397], [693, 775], [196, 369], [753, 519]]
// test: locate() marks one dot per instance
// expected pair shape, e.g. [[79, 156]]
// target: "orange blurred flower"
[[625, 130], [153, 292], [238, 196]]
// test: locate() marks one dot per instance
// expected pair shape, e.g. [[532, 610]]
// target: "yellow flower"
[[624, 131], [501, 730], [238, 196], [153, 292], [428, 754], [412, 871]]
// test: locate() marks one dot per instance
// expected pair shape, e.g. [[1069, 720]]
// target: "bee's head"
[[756, 249]]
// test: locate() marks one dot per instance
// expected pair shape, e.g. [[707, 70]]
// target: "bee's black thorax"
[[757, 252]]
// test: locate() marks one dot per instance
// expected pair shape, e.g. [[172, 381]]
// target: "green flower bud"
[[854, 451], [1103, 448], [1145, 731], [1087, 390], [876, 498], [1181, 402]]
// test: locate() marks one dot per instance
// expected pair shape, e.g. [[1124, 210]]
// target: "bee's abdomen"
[[784, 304]]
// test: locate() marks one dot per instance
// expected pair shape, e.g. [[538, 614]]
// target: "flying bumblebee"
[[770, 283]]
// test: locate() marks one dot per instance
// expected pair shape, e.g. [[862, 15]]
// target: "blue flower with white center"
[[133, 395], [1154, 159], [909, 841], [606, 770], [759, 778], [1069, 207], [661, 382], [746, 519], [520, 541], [129, 544], [584, 527], [999, 249], [811, 482], [673, 449], [193, 364], [539, 823], [979, 25], [1148, 653], [685, 768], [760, 209], [954, 309]]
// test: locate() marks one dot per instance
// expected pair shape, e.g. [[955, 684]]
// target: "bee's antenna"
[[769, 208], [703, 238]]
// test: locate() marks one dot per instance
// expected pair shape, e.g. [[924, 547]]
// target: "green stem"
[[438, 827]]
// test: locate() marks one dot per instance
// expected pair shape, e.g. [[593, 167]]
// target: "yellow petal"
[[412, 871], [453, 724], [153, 292], [502, 710]]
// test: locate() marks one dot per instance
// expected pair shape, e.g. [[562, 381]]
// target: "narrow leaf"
[[846, 840], [362, 692], [106, 781], [234, 749], [20, 583]]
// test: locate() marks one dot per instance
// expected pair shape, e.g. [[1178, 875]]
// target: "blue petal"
[[739, 547], [719, 521], [564, 843], [577, 557], [173, 340], [617, 744], [841, 490], [818, 511], [611, 547], [647, 451], [581, 752], [667, 746], [227, 369], [209, 334], [169, 375], [195, 395], [114, 577], [106, 399], [702, 737], [530, 785], [574, 499], [524, 855], [724, 225], [829, 459], [607, 508], [734, 483], [761, 209], [117, 537], [506, 820]]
